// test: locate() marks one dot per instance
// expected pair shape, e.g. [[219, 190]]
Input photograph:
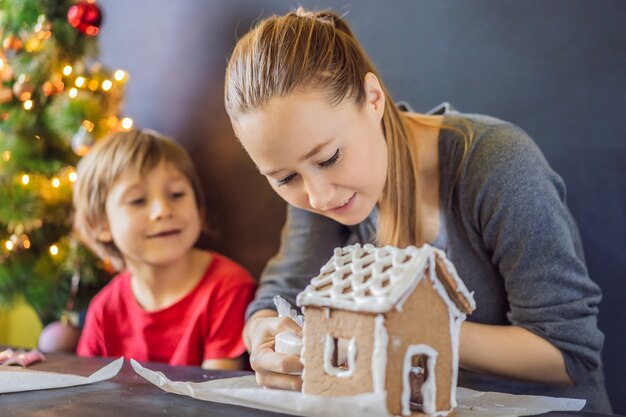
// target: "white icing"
[[288, 343], [350, 356], [379, 354], [326, 311], [302, 361], [455, 328], [461, 288], [375, 279], [396, 342], [429, 388]]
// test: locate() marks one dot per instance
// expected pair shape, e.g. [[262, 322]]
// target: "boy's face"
[[153, 219]]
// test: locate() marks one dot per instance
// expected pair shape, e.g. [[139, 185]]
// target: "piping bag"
[[288, 342]]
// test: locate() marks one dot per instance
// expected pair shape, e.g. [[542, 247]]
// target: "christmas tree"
[[56, 99]]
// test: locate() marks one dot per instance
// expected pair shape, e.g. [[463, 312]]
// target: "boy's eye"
[[331, 161], [287, 180], [137, 201]]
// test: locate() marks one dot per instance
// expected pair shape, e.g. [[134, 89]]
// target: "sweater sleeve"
[[518, 206], [307, 241]]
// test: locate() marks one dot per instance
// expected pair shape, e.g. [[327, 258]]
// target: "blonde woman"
[[311, 111]]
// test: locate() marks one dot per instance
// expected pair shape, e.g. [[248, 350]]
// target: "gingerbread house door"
[[419, 388]]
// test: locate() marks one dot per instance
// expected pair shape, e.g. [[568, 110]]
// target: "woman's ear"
[[374, 95], [104, 235]]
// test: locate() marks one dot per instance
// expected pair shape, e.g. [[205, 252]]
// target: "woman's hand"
[[274, 370]]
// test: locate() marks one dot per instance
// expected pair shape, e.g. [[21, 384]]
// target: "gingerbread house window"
[[339, 356]]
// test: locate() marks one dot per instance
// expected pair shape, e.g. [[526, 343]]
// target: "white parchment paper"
[[246, 392], [19, 379]]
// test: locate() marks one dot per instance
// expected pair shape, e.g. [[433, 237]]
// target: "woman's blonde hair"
[[137, 151], [317, 51]]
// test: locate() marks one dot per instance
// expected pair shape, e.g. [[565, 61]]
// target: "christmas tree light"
[[56, 100]]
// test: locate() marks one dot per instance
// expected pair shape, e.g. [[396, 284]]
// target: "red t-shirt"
[[205, 324]]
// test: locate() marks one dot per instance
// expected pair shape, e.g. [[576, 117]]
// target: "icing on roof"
[[372, 279]]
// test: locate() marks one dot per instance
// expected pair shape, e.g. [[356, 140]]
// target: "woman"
[[309, 108]]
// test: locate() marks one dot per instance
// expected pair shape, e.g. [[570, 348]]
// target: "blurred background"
[[557, 68]]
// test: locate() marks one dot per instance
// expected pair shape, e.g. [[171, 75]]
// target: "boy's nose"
[[160, 208]]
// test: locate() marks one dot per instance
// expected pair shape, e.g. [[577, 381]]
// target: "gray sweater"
[[512, 239]]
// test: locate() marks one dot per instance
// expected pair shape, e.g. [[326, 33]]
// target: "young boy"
[[138, 203]]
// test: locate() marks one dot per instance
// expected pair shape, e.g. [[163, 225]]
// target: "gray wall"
[[556, 68]]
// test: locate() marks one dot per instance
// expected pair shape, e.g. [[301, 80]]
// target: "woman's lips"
[[345, 206]]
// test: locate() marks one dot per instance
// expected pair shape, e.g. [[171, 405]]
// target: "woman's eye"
[[178, 194], [287, 180], [331, 161]]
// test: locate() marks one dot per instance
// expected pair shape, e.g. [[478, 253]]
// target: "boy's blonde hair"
[[306, 51], [138, 151]]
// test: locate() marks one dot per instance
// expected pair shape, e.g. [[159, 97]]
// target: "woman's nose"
[[320, 193]]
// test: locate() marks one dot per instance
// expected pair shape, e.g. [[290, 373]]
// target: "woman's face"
[[328, 159]]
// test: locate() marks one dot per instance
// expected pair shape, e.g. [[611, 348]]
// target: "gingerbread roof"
[[371, 279]]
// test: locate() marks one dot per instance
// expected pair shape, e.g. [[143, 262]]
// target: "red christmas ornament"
[[85, 17]]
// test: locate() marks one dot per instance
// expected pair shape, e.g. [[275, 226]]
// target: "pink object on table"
[[6, 354], [21, 357]]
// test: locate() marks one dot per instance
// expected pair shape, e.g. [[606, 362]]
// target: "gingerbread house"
[[385, 320]]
